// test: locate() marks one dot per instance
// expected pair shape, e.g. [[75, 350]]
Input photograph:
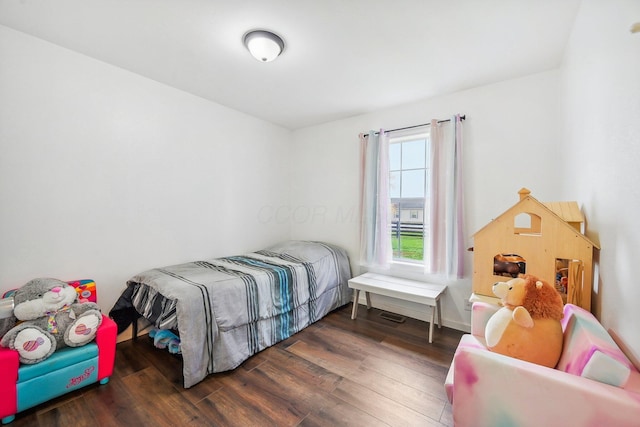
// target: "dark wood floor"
[[337, 372]]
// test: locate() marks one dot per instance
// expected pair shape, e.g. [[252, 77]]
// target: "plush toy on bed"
[[49, 318], [527, 327]]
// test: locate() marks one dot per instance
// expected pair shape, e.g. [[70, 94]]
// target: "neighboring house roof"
[[409, 203]]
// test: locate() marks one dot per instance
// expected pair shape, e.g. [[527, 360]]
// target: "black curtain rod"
[[417, 126]]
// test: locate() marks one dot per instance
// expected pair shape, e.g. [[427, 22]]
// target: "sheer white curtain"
[[444, 253], [375, 241]]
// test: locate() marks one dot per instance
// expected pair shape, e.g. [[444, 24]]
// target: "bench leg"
[[368, 300], [439, 313], [433, 316], [354, 310]]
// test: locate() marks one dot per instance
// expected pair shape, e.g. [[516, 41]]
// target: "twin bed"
[[227, 309]]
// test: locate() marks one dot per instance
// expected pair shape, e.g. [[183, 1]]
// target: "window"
[[408, 190], [407, 215]]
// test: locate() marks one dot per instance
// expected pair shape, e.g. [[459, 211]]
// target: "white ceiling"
[[342, 57]]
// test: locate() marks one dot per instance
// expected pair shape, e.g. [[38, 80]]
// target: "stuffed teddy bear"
[[7, 319], [49, 318], [528, 326]]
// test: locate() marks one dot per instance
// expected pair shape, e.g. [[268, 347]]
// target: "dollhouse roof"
[[567, 213]]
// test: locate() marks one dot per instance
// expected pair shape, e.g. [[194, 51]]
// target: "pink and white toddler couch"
[[68, 369], [594, 383]]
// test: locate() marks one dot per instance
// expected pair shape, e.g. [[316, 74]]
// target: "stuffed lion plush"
[[528, 326]]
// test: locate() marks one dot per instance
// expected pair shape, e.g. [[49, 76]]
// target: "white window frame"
[[405, 264]]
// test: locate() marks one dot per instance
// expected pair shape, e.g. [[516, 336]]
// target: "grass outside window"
[[408, 247]]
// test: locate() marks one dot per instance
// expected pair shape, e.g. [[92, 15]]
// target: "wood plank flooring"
[[337, 372]]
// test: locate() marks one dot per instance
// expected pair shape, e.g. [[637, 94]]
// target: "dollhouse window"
[[527, 223]]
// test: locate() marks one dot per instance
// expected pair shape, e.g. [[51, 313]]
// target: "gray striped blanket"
[[228, 309]]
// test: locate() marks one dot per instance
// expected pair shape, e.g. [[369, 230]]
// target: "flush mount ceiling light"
[[265, 46]]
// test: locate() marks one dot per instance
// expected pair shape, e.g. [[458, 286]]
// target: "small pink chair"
[[594, 383], [25, 386]]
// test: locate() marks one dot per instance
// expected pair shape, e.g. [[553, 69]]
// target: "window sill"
[[409, 271], [407, 266]]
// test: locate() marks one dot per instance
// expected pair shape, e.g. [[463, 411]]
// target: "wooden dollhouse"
[[543, 239]]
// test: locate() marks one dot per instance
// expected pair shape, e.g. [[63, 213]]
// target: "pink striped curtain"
[[444, 253], [375, 240]]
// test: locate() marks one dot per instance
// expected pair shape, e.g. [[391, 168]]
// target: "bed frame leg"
[[134, 326]]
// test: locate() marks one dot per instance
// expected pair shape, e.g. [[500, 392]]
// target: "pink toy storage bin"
[[25, 386]]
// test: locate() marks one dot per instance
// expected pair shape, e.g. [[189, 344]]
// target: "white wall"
[[601, 152], [104, 173], [511, 138]]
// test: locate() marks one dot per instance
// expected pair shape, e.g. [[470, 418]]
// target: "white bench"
[[396, 287]]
